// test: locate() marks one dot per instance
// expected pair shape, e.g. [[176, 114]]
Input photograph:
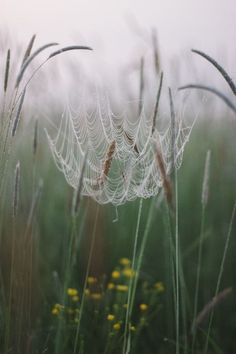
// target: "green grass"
[[41, 255], [127, 279]]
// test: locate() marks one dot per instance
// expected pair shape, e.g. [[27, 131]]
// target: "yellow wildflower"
[[59, 306], [75, 298], [87, 292], [96, 296], [115, 274], [125, 262], [91, 280], [116, 326], [55, 311], [110, 317], [123, 288], [128, 272], [72, 292], [110, 286], [143, 307], [132, 328], [159, 286]]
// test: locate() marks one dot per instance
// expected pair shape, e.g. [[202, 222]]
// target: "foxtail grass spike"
[[28, 49], [17, 118], [29, 60], [66, 49], [7, 69], [213, 90], [157, 103], [219, 68], [205, 185], [35, 142], [16, 189], [107, 162]]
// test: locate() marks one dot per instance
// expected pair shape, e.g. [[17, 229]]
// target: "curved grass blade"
[[66, 49], [213, 90], [28, 49], [29, 60], [7, 70], [219, 68]]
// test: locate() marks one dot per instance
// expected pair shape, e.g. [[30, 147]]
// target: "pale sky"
[[119, 30]]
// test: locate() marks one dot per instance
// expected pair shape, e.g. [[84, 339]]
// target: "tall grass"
[[53, 239]]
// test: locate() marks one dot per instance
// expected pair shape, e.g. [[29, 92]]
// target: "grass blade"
[[66, 49], [29, 60], [213, 90], [219, 68]]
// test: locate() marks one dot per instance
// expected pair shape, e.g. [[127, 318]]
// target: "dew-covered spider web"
[[119, 150]]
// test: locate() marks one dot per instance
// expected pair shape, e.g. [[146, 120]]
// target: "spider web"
[[120, 151]]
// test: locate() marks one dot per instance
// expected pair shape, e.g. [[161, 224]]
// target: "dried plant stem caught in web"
[[107, 163]]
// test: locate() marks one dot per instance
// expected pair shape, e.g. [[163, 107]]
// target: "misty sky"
[[119, 30]]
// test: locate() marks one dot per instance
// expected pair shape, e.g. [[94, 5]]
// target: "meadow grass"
[[150, 276]]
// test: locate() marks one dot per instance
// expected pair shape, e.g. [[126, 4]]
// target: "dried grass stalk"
[[66, 49], [219, 68], [107, 162], [7, 69], [210, 306], [17, 118]]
